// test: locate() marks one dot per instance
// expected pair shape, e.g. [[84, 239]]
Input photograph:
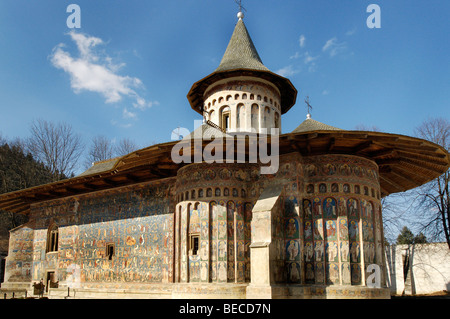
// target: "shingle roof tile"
[[241, 52]]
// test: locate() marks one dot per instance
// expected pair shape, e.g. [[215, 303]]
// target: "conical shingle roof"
[[242, 59], [310, 125], [241, 52]]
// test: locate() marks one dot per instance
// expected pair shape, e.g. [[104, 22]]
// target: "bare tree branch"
[[125, 146], [103, 149], [434, 203], [55, 145]]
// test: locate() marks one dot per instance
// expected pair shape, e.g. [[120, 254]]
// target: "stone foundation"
[[316, 292]]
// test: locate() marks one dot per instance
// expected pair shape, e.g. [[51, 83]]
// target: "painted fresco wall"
[[18, 265], [342, 219], [138, 221], [285, 221], [326, 230], [215, 202], [326, 227], [330, 228], [332, 221]]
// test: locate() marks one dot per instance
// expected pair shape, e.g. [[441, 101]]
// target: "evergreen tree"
[[17, 171], [420, 239], [406, 237]]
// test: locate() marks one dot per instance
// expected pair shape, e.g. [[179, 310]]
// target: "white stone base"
[[316, 292], [203, 291]]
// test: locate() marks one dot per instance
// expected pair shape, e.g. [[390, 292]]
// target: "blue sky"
[[126, 72]]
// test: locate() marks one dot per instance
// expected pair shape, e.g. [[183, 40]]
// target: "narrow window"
[[255, 117], [225, 119], [109, 251], [226, 122], [52, 239], [240, 116], [277, 120], [194, 244]]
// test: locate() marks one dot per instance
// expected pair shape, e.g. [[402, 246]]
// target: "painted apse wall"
[[215, 203], [326, 228]]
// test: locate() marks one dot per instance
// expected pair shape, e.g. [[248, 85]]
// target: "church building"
[[148, 226]]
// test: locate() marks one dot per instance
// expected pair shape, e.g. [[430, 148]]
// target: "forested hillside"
[[17, 171]]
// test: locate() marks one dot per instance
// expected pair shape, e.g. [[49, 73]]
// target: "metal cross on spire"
[[309, 107], [239, 3]]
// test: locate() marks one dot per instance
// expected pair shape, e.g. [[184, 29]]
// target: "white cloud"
[[333, 47], [302, 40], [310, 61], [325, 92], [309, 58], [295, 56], [128, 115], [95, 72], [350, 32], [116, 123], [287, 71], [329, 44], [142, 104]]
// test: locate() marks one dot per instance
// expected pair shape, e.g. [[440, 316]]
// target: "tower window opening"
[[194, 243], [52, 239], [109, 251], [225, 119]]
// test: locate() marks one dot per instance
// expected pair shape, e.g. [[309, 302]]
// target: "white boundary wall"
[[428, 272]]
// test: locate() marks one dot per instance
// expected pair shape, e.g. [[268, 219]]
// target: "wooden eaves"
[[404, 163]]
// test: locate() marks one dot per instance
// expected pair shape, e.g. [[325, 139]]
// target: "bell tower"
[[242, 94]]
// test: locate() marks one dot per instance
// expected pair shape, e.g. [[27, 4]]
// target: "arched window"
[[240, 117], [267, 118], [277, 120], [225, 119], [255, 117], [52, 238]]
